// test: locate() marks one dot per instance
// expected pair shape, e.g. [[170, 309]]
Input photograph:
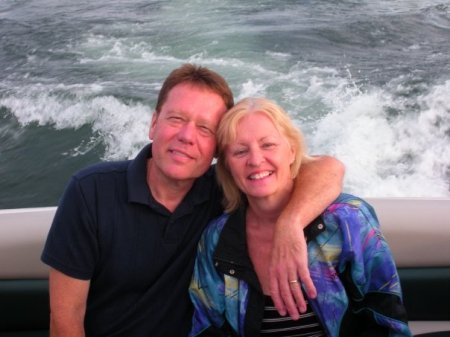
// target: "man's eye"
[[206, 131], [175, 119]]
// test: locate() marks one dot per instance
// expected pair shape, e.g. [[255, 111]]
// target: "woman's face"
[[259, 159]]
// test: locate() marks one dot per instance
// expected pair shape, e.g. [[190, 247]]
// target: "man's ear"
[[152, 125]]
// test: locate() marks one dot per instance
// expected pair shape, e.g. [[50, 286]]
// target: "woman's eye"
[[268, 145], [239, 152]]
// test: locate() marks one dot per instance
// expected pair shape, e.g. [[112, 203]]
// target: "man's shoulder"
[[102, 168]]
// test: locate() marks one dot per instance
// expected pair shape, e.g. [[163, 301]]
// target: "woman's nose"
[[255, 157]]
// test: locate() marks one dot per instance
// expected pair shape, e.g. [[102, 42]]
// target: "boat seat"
[[24, 309], [422, 255]]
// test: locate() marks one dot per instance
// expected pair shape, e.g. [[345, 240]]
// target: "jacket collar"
[[231, 255]]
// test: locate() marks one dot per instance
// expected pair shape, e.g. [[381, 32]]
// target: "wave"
[[392, 143], [366, 81], [122, 127]]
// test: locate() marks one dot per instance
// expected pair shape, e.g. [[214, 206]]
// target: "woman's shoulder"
[[351, 215], [214, 228]]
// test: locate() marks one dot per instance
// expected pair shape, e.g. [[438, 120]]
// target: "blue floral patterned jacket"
[[350, 264]]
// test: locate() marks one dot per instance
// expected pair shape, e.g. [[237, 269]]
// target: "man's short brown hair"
[[197, 76]]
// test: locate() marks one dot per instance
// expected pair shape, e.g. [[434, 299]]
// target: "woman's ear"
[[293, 151]]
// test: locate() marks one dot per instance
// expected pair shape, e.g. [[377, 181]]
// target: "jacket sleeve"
[[370, 276], [207, 289]]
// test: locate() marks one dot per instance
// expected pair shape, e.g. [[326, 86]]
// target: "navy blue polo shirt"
[[138, 255]]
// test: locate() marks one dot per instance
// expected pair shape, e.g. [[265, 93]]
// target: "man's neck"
[[168, 192]]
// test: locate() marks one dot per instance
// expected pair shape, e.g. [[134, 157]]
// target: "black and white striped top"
[[274, 325]]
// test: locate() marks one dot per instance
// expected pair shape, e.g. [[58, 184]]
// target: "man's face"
[[183, 133]]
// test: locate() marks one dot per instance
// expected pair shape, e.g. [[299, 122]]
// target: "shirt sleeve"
[[71, 246]]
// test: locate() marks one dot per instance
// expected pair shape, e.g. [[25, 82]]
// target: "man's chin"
[[182, 176], [183, 172]]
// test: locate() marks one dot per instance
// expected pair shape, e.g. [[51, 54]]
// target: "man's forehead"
[[190, 91], [184, 87]]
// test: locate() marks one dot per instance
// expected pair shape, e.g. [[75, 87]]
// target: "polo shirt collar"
[[137, 177]]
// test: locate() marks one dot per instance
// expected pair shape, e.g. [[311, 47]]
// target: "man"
[[122, 244]]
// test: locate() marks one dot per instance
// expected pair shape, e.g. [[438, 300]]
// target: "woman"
[[260, 152]]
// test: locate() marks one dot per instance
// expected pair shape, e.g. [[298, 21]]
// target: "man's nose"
[[187, 133]]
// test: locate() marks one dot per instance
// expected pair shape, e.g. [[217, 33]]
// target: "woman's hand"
[[289, 270]]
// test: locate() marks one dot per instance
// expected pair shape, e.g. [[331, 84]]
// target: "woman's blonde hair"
[[226, 134]]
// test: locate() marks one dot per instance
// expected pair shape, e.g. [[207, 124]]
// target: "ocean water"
[[367, 81]]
